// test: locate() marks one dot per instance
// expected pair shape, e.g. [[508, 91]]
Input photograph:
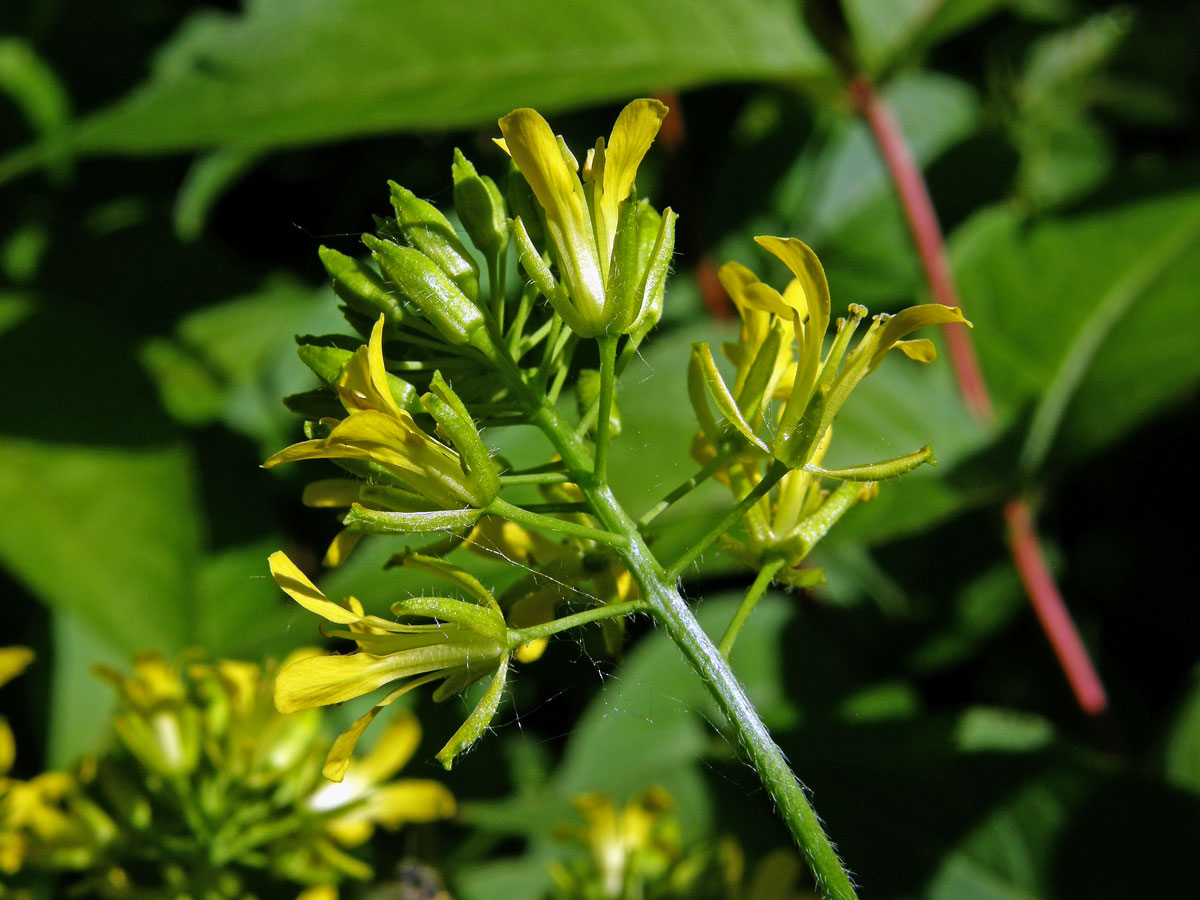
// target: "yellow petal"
[[392, 749], [331, 492], [632, 136], [341, 547], [337, 762], [532, 651], [539, 156], [909, 320], [8, 748], [410, 800], [921, 350], [296, 585], [799, 257], [322, 680], [14, 661], [319, 892]]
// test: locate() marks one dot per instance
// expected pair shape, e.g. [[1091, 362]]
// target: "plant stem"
[[670, 609], [608, 377], [519, 636], [535, 478], [521, 516], [927, 235], [776, 471], [1043, 593], [715, 465], [757, 589], [1052, 613]]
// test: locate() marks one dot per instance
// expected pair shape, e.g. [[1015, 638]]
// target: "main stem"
[[672, 612]]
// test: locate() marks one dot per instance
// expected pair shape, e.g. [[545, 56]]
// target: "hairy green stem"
[[673, 613], [753, 595], [534, 478], [521, 516], [519, 636], [608, 377]]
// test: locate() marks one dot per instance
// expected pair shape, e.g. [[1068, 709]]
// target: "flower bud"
[[481, 208], [359, 287], [425, 285], [422, 226]]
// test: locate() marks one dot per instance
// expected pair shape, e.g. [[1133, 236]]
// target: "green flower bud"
[[327, 364], [422, 226], [359, 287], [427, 286], [481, 207]]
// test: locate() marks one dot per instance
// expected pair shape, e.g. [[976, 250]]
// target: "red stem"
[[927, 234], [1026, 549], [1051, 611]]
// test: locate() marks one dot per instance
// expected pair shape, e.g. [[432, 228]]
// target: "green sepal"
[[880, 471], [698, 395], [624, 275], [361, 289], [325, 362], [752, 395], [428, 288], [796, 449], [533, 264], [480, 206], [422, 226], [482, 619], [375, 522], [654, 267], [452, 417], [479, 720], [795, 577], [587, 394], [398, 499], [702, 360], [460, 578]]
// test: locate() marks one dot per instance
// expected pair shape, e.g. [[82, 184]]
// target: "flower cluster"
[[786, 393], [636, 850], [211, 788]]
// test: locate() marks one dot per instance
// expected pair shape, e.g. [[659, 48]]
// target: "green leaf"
[[288, 72], [80, 701], [231, 361], [32, 84], [885, 32], [206, 181], [1090, 319], [108, 533]]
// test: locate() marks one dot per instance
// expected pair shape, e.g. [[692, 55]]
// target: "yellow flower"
[[467, 644], [13, 661], [813, 383], [157, 724], [370, 799], [377, 430], [591, 227]]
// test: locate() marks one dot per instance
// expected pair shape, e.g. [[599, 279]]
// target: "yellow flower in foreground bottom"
[[13, 661], [372, 801], [467, 644]]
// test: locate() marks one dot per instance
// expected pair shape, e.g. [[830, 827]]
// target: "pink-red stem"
[[1026, 549]]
